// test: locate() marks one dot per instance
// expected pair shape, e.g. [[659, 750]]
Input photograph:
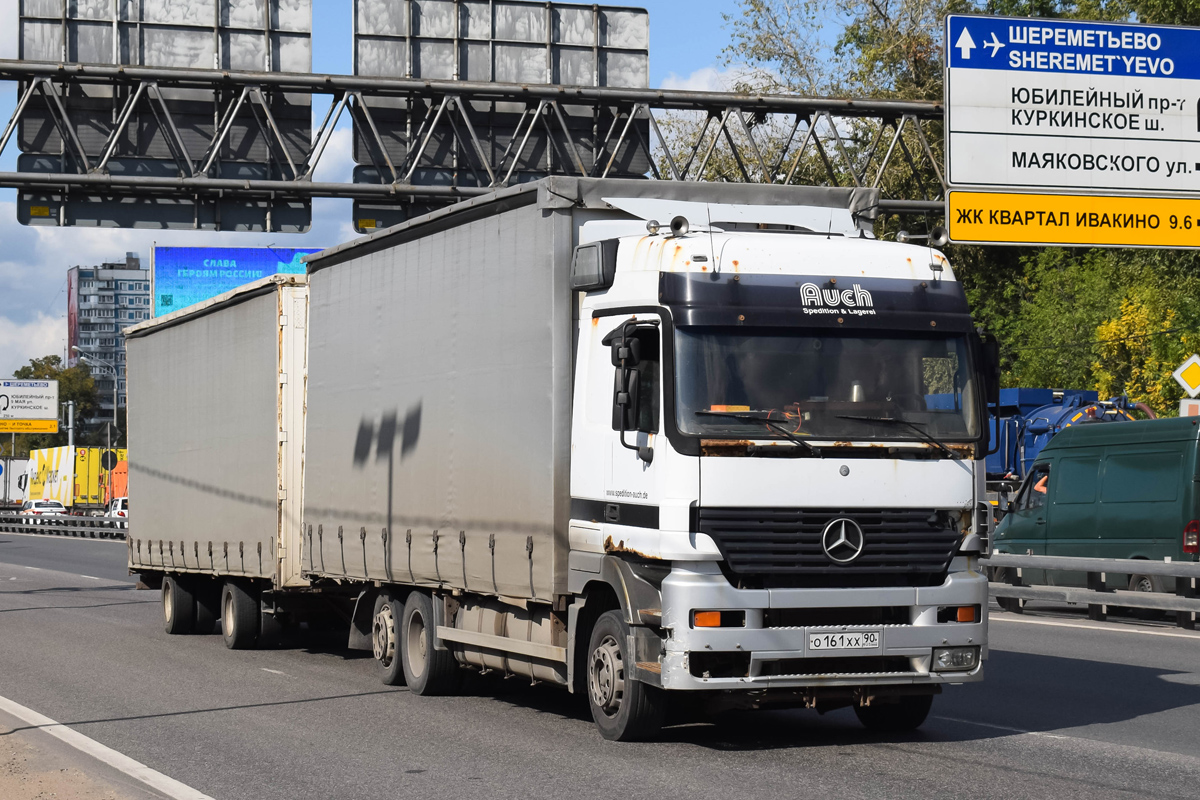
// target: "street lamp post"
[[90, 359]]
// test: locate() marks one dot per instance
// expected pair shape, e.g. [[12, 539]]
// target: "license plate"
[[849, 640]]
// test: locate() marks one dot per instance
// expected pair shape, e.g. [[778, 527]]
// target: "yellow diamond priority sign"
[[1188, 375]]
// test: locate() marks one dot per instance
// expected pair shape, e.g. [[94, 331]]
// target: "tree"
[[74, 383]]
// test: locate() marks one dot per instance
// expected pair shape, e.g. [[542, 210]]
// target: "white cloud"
[[709, 79], [19, 342]]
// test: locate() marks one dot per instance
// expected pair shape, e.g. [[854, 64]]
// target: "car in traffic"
[[118, 508], [43, 508], [1128, 491]]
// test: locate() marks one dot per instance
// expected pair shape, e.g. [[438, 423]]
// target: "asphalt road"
[[1069, 709]]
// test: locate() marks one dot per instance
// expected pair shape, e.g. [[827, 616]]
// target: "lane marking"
[[273, 671], [134, 769], [90, 577], [1110, 629], [1003, 728]]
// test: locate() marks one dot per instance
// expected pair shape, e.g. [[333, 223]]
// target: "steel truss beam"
[[675, 135]]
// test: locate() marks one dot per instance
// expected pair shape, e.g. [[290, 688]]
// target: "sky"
[[687, 40]]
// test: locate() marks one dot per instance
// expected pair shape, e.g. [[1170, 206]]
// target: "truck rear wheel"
[[905, 714], [239, 616], [426, 671], [179, 606], [624, 708], [384, 639]]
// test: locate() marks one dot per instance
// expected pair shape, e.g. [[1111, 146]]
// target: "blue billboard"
[[184, 276]]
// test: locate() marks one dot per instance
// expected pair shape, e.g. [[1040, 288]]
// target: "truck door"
[[631, 484], [613, 476]]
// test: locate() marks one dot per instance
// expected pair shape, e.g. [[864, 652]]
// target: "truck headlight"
[[955, 659]]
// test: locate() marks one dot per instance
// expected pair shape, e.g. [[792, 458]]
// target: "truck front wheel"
[[427, 671], [179, 606], [624, 708], [905, 714], [239, 616]]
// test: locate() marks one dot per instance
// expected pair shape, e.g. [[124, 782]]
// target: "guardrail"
[[86, 527], [1008, 583]]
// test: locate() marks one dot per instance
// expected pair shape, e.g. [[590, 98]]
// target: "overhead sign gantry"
[[1101, 120]]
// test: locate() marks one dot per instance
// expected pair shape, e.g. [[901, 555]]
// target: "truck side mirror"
[[991, 364], [627, 353], [626, 399]]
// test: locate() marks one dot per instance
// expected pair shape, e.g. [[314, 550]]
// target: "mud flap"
[[361, 620]]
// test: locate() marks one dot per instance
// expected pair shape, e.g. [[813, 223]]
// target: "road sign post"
[[1106, 114]]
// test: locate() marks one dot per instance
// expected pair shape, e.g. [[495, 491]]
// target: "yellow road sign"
[[1016, 218], [1188, 375], [28, 426]]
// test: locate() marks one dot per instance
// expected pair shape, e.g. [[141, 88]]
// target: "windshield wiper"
[[752, 416], [915, 427]]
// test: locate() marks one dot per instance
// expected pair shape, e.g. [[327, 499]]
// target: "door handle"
[[1040, 521]]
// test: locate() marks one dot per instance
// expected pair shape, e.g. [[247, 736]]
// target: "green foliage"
[[1118, 321], [74, 383]]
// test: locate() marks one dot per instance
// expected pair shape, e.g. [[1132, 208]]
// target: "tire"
[[624, 709], [208, 605], [1009, 604], [179, 605], [385, 641], [240, 616], [906, 714], [426, 671], [1141, 583]]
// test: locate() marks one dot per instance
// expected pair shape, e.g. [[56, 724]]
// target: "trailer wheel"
[[906, 714], [624, 708], [179, 606], [426, 671], [384, 639], [239, 617]]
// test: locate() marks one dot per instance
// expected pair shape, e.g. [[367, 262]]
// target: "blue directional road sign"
[[1046, 104]]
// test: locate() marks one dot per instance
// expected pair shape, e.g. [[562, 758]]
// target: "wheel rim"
[[383, 636], [606, 676], [1143, 584], [227, 615], [415, 644], [168, 602]]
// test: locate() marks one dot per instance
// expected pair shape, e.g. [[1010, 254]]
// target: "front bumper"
[[759, 657]]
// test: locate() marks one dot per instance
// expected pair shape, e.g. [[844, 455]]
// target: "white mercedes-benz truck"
[[639, 439]]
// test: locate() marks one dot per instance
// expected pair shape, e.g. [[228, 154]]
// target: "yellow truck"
[[74, 476]]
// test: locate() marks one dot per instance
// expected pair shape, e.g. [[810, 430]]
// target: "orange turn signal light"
[[966, 613], [718, 619]]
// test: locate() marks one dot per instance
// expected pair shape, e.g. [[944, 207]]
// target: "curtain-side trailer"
[[629, 437]]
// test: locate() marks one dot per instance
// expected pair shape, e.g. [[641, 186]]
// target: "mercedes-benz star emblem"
[[842, 540]]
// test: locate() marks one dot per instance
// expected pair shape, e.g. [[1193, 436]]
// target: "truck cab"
[[783, 430]]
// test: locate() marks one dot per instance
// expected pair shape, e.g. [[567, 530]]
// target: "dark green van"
[[1110, 490]]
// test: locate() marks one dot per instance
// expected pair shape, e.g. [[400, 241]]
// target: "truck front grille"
[[781, 547]]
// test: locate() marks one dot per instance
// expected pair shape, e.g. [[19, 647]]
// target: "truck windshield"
[[828, 385]]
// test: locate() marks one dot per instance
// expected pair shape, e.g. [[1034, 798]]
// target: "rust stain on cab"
[[619, 547]]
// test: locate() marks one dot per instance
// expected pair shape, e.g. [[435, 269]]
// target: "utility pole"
[[71, 426]]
